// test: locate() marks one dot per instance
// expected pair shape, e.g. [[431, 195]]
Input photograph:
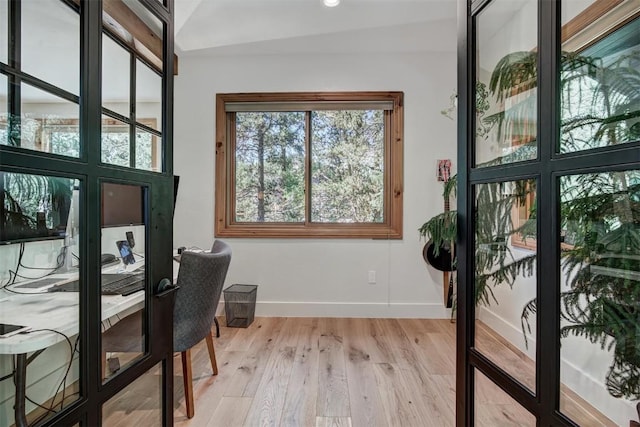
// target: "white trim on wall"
[[348, 309]]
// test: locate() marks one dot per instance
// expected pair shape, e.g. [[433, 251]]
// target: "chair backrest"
[[200, 278]]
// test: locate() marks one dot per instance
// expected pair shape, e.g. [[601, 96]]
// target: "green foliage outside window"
[[347, 166]]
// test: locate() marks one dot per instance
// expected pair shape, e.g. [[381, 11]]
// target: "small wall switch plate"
[[372, 277]]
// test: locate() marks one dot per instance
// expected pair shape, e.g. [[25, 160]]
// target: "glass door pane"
[[116, 77], [123, 276], [494, 407], [50, 43], [47, 123], [148, 96], [506, 83], [140, 403], [599, 78], [148, 151], [115, 139], [4, 30], [505, 279], [132, 86], [600, 297], [39, 295], [4, 108]]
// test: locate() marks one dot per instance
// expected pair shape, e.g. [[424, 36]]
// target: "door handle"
[[164, 285]]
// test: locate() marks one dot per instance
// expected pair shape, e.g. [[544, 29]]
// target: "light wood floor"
[[340, 372]]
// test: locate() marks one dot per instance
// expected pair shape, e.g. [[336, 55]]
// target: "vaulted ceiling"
[[228, 27]]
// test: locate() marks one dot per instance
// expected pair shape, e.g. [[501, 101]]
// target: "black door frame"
[[546, 169], [87, 410]]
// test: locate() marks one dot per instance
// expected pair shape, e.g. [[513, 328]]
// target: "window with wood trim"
[[312, 164]]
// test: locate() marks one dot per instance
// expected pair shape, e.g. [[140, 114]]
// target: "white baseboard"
[[348, 309]]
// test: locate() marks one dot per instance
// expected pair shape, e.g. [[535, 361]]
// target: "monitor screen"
[[122, 205], [34, 207]]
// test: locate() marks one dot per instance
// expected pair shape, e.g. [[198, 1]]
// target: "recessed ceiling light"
[[331, 3]]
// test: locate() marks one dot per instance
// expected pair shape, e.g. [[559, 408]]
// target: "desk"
[[47, 310]]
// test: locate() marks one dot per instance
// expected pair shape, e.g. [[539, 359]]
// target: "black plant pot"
[[443, 261]]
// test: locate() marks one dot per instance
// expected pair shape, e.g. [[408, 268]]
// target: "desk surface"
[[52, 310]]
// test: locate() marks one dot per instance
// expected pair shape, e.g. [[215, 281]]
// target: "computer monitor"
[[33, 207]]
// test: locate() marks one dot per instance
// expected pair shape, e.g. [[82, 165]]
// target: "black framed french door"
[[86, 195], [548, 213]]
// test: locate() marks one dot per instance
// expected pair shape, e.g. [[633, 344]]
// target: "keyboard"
[[112, 284], [119, 285]]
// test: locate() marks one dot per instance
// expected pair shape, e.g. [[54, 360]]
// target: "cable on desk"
[[60, 259], [72, 351], [66, 374], [13, 274]]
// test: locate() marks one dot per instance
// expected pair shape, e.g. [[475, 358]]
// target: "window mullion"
[[231, 167], [307, 168], [132, 110]]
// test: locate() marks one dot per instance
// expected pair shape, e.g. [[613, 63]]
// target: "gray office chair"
[[200, 278]]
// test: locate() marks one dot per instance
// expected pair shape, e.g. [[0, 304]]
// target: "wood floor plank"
[[424, 397], [379, 349], [230, 412], [249, 374], [432, 345], [333, 391], [302, 390], [364, 398], [208, 390], [583, 414], [398, 404], [227, 335], [506, 355], [268, 401], [243, 337], [333, 422], [404, 352], [360, 387]]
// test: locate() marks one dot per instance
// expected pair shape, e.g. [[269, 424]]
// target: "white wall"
[[322, 277]]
